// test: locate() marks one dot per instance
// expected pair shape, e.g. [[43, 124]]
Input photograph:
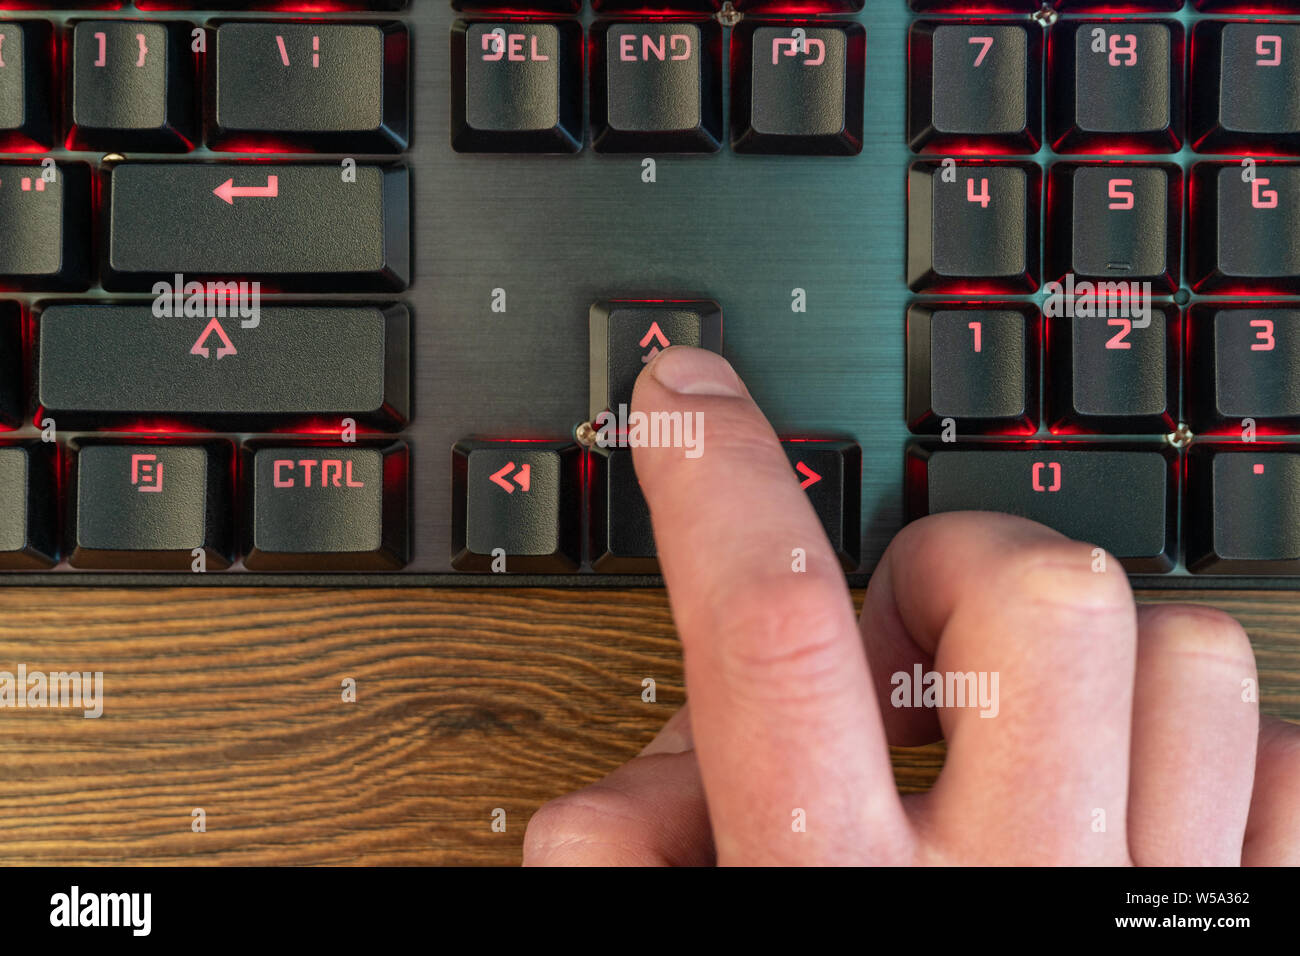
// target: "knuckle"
[[1194, 630], [1059, 573], [794, 636], [593, 823]]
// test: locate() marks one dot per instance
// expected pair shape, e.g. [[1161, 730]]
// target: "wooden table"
[[230, 700]]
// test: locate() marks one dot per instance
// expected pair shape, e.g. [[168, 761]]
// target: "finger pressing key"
[[789, 739]]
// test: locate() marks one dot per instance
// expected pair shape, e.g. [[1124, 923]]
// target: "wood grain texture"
[[468, 700]]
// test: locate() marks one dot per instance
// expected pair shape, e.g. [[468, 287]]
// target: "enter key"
[[318, 227]]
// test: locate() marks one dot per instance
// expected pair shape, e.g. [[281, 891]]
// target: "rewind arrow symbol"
[[524, 477]]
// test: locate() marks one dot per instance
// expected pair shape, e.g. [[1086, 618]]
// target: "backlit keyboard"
[[322, 291]]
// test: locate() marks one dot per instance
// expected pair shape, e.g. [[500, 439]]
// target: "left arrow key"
[[516, 506]]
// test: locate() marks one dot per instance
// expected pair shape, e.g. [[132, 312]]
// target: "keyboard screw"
[[729, 16], [585, 434], [1180, 437], [113, 158], [1045, 17]]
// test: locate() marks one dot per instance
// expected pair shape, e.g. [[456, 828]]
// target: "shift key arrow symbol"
[[228, 190]]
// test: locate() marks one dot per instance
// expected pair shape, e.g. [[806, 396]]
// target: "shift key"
[[101, 365], [317, 227]]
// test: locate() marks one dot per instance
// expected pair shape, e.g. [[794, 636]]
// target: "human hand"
[[1134, 717]]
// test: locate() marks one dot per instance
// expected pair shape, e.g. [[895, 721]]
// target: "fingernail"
[[691, 371]]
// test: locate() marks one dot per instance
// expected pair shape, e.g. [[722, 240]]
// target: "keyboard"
[[304, 292]]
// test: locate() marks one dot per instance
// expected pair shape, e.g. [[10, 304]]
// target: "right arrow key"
[[831, 474]]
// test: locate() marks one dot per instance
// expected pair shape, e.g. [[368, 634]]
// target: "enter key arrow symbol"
[[810, 477], [228, 191]]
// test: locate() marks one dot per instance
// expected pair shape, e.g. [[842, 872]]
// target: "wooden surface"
[[230, 700]]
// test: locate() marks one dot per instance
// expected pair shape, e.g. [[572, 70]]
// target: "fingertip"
[[691, 371]]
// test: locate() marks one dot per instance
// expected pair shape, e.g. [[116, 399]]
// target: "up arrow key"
[[653, 333]]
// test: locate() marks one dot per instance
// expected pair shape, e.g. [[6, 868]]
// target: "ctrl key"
[[327, 508], [28, 541], [516, 506]]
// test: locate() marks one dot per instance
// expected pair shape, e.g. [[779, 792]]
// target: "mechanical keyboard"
[[323, 291]]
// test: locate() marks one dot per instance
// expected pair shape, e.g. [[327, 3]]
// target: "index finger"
[[788, 734]]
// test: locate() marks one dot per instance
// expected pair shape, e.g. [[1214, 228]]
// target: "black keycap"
[[1117, 6], [1115, 86], [656, 7], [656, 87], [797, 88], [1122, 499], [975, 6], [28, 536], [978, 367], [132, 86], [103, 365], [626, 334], [295, 226], [1243, 362], [1243, 232], [1243, 513], [11, 365], [516, 87], [45, 239], [831, 473], [621, 538], [150, 507], [536, 6], [785, 7], [1246, 87], [974, 86], [1115, 222], [25, 70], [1113, 374], [305, 6], [326, 508], [972, 228], [1243, 6], [516, 506], [311, 85]]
